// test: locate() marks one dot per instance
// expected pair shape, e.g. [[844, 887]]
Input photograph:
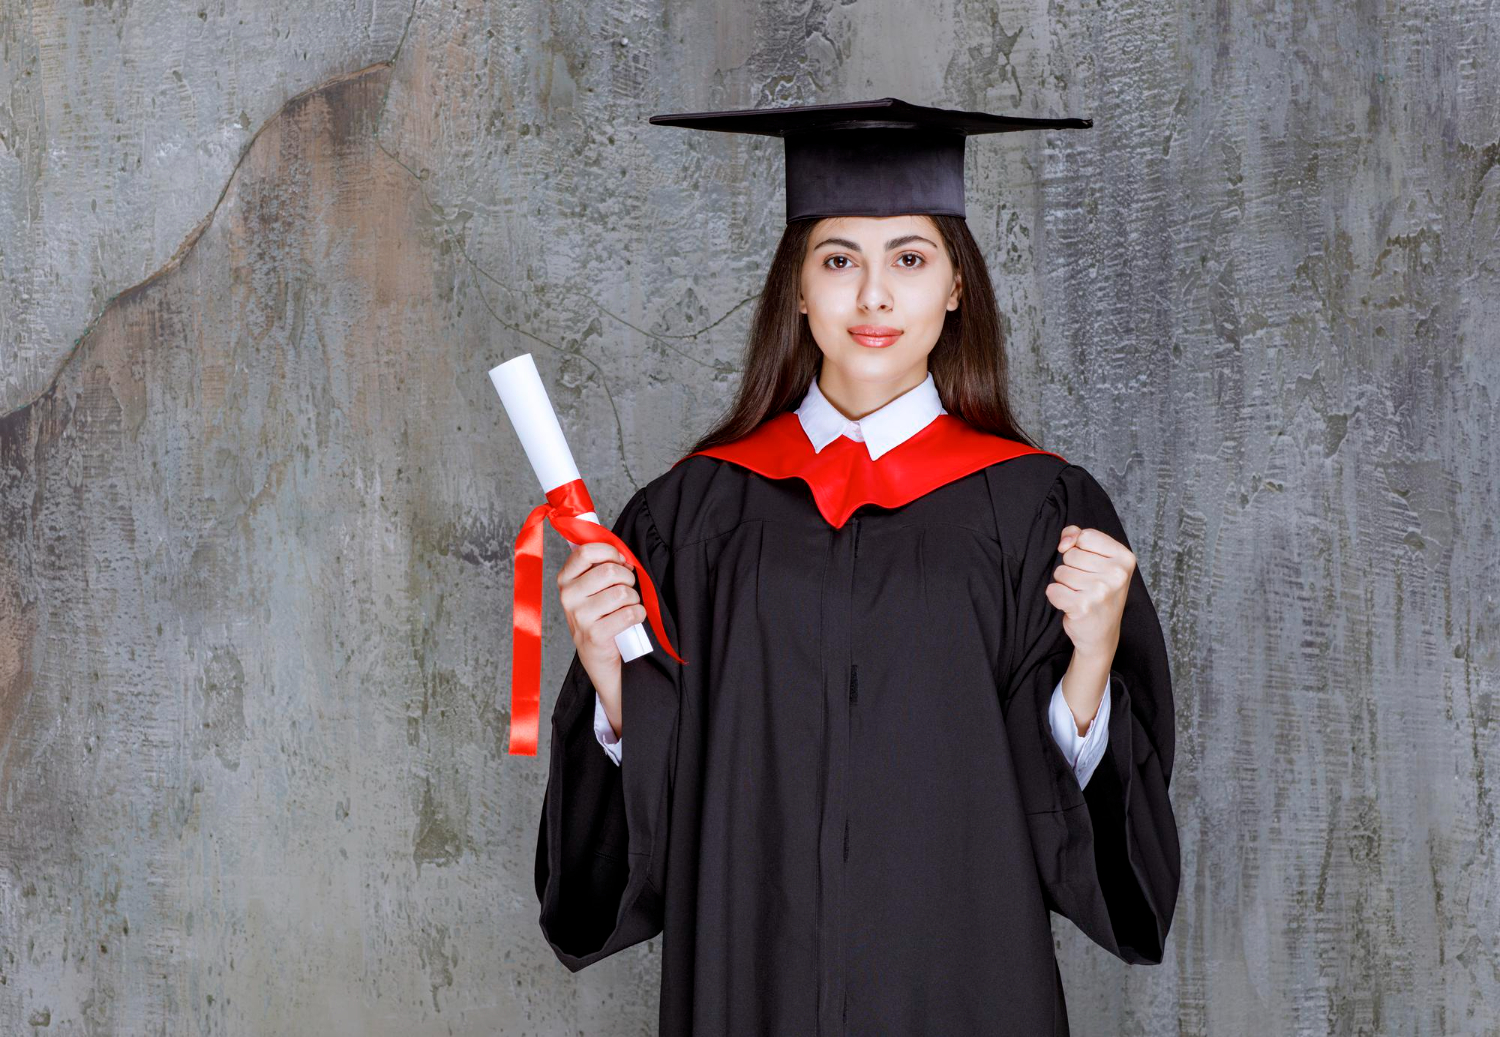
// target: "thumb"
[[1068, 538]]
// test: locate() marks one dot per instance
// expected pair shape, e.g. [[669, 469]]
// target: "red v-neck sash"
[[842, 476]]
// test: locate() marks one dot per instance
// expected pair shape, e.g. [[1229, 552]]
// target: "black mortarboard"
[[869, 158]]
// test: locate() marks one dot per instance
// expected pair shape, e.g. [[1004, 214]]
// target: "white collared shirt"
[[880, 430]]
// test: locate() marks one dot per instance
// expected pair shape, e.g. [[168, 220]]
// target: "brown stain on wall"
[[204, 531]]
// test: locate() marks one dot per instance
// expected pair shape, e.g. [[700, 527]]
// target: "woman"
[[926, 696]]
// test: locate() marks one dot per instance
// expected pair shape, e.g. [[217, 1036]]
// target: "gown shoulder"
[[696, 498]]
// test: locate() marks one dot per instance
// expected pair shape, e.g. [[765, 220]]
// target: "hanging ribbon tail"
[[563, 506], [526, 635], [581, 531]]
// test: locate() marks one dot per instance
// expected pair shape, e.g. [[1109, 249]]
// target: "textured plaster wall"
[[257, 498]]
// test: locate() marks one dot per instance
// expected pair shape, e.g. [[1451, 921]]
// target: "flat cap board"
[[884, 157]]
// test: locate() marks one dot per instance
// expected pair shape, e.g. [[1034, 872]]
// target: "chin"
[[877, 368], [880, 365]]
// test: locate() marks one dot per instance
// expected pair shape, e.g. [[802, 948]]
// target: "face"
[[876, 291]]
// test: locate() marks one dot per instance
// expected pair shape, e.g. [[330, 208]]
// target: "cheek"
[[825, 305], [926, 302]]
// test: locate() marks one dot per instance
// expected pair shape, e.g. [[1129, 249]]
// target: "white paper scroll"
[[530, 410]]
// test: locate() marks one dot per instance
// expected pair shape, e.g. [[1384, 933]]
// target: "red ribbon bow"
[[564, 504]]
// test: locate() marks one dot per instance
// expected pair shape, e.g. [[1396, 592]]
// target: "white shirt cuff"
[[1083, 753], [604, 732]]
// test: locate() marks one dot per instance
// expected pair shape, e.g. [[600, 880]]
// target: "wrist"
[[1087, 663], [1083, 687], [607, 687]]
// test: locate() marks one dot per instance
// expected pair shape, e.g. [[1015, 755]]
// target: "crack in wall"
[[193, 236], [196, 234]]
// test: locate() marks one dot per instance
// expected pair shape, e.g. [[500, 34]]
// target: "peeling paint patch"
[[219, 707], [436, 840]]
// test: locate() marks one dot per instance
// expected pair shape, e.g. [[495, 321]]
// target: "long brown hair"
[[967, 363]]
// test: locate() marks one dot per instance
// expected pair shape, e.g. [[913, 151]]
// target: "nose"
[[874, 293]]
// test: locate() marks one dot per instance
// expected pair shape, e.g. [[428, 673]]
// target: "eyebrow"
[[893, 243]]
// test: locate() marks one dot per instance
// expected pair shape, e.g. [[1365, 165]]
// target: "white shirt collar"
[[881, 429]]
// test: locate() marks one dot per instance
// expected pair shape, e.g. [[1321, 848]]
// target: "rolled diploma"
[[530, 410]]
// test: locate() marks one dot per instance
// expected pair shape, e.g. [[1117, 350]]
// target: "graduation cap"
[[869, 158]]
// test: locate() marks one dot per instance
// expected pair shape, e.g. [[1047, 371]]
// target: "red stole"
[[842, 476]]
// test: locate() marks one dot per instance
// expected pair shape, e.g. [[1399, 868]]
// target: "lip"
[[876, 336]]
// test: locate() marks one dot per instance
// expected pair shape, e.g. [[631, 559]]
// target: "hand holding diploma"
[[570, 510]]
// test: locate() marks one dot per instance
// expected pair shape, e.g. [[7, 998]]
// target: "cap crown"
[[884, 157]]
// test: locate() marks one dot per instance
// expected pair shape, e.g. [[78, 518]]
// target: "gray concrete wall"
[[258, 499]]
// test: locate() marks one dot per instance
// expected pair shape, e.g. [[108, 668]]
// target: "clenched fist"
[[1090, 588]]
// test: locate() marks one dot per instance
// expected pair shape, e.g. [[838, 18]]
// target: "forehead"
[[873, 228]]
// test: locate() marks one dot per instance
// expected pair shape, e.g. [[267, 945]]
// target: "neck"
[[855, 399]]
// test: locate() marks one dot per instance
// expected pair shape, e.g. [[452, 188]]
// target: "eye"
[[830, 259], [914, 255]]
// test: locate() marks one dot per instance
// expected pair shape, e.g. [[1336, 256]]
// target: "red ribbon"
[[564, 504]]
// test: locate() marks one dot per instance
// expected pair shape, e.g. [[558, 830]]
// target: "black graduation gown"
[[847, 813]]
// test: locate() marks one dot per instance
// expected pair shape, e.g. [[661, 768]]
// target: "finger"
[[1119, 555], [1063, 597], [1098, 542], [581, 557], [585, 555], [602, 603], [1074, 578], [593, 580], [1088, 561], [621, 619], [603, 575]]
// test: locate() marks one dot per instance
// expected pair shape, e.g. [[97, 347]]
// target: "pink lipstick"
[[876, 336]]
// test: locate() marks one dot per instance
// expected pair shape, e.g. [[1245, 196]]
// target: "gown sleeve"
[[601, 849], [1106, 853]]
